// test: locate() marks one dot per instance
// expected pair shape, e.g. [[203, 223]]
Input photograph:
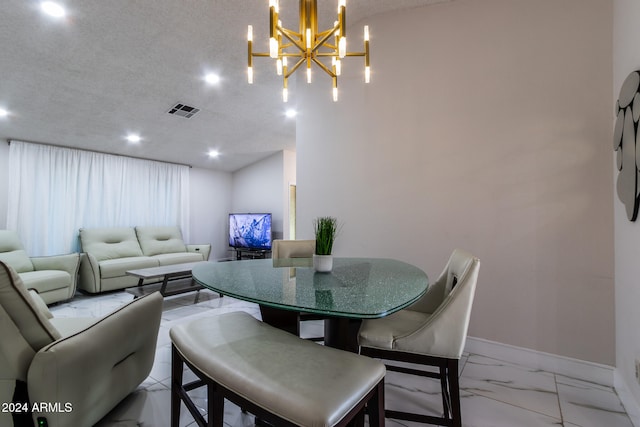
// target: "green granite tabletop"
[[358, 288]]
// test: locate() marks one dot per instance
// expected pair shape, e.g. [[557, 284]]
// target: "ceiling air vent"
[[183, 111]]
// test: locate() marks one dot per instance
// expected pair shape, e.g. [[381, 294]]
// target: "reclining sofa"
[[108, 253], [52, 277]]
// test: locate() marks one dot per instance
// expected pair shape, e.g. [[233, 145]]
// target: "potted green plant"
[[326, 228]]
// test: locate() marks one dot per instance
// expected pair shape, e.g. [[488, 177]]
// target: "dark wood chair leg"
[[177, 368], [215, 406], [446, 399], [454, 392], [375, 407]]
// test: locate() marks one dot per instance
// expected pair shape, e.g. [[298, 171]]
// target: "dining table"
[[355, 289]]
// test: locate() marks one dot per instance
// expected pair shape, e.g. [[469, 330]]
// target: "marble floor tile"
[[493, 393], [516, 385], [590, 405]]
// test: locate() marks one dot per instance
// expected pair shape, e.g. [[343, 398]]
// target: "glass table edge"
[[311, 310]]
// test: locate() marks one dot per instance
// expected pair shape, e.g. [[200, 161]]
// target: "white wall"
[[210, 200], [487, 126], [260, 187], [289, 178], [4, 182], [626, 58]]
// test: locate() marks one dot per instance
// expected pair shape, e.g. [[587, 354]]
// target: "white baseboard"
[[562, 365], [626, 397]]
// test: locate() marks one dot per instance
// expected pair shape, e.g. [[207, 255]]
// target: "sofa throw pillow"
[[110, 242], [160, 240]]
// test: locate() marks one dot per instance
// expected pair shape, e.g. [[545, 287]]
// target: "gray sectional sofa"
[[108, 253]]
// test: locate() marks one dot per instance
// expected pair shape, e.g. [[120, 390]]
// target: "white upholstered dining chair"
[[293, 249], [297, 249], [432, 332]]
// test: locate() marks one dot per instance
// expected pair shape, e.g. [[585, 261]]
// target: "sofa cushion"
[[110, 243], [46, 280], [160, 240], [178, 258], [18, 304], [119, 267]]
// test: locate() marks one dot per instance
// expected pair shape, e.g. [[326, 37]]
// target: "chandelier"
[[309, 46]]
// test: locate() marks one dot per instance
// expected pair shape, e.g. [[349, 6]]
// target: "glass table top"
[[357, 288]]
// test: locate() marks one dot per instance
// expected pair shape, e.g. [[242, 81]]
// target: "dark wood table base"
[[339, 332]]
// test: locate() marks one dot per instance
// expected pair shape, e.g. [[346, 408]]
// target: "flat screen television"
[[250, 231]]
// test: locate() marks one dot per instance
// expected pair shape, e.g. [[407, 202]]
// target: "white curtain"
[[55, 191]]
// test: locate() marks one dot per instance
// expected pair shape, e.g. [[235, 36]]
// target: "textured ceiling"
[[117, 66]]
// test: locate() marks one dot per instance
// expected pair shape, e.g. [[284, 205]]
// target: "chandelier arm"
[[324, 67], [323, 33], [295, 67], [264, 54], [356, 54], [290, 36], [322, 41]]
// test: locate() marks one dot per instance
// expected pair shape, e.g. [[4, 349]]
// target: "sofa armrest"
[[89, 273], [110, 358], [68, 263], [205, 250]]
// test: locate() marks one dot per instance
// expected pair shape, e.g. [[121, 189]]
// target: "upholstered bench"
[[280, 378]]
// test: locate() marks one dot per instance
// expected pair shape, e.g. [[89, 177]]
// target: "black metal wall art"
[[626, 142]]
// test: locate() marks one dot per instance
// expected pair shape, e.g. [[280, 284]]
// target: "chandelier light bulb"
[[308, 38], [342, 47], [367, 74], [273, 47], [342, 3], [279, 67], [250, 33], [284, 61], [250, 75], [274, 3], [308, 75], [335, 94], [285, 94], [337, 64], [366, 33]]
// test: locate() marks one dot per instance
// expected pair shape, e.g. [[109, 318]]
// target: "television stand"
[[252, 254]]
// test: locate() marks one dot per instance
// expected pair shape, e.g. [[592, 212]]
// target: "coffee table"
[[176, 279]]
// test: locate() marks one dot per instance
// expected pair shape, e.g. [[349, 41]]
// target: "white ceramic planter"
[[322, 263]]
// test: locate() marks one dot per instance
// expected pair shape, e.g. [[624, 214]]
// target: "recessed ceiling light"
[[53, 9], [213, 153], [134, 138], [4, 113], [291, 113], [212, 78]]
